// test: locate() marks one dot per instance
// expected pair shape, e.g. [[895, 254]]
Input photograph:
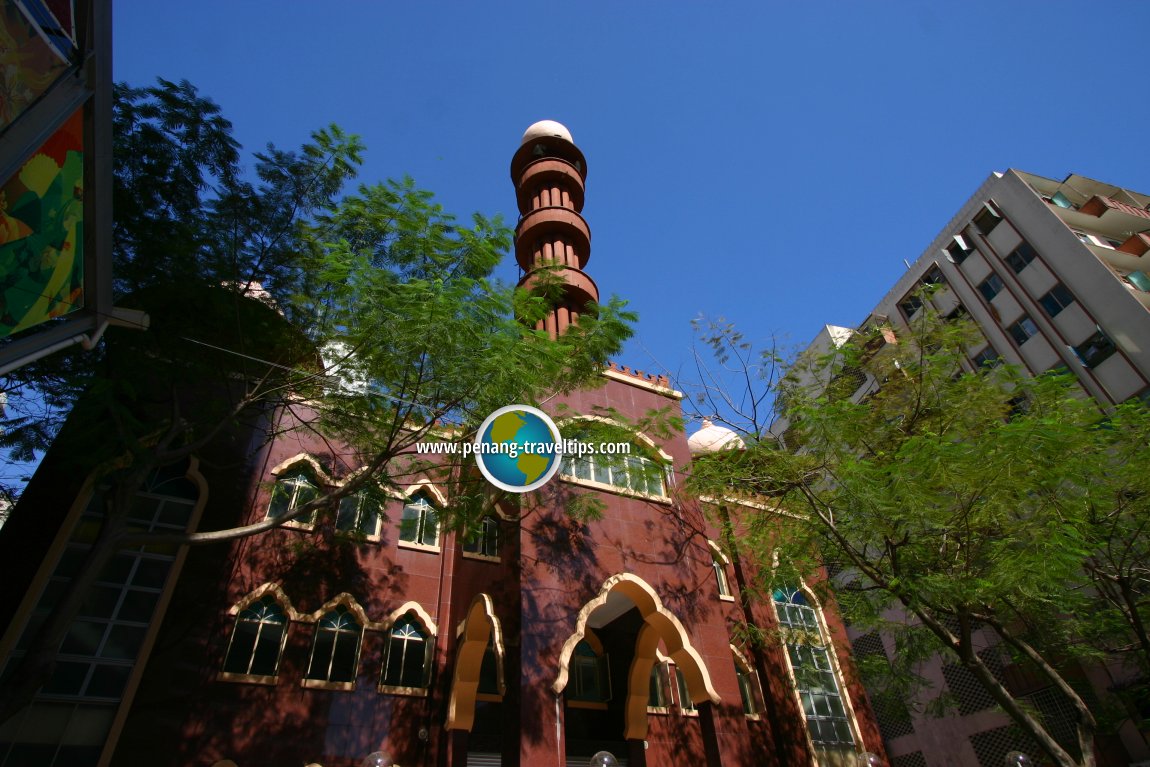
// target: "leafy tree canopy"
[[965, 500], [282, 300]]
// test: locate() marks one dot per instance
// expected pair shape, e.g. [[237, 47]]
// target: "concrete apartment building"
[[1054, 274]]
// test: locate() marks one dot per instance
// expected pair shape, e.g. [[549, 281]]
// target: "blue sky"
[[771, 163]]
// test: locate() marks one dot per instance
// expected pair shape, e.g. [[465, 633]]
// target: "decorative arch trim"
[[637, 435], [742, 659], [277, 593], [348, 601], [480, 627], [310, 461], [660, 624], [404, 609], [429, 487]]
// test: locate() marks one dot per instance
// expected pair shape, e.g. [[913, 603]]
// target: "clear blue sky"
[[769, 162]]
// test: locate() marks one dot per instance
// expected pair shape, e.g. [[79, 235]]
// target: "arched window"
[[358, 513], [335, 651], [589, 674], [419, 523], [294, 488], [815, 678], [408, 654], [257, 639], [636, 471], [484, 541]]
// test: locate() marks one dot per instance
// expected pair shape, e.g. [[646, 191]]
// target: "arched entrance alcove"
[[627, 620], [479, 630]]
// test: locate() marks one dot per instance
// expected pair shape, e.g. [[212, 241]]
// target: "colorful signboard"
[[41, 232]]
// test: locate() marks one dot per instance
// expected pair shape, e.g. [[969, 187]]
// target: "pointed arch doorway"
[[605, 669]]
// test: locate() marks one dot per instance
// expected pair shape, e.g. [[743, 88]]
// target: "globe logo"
[[517, 448]]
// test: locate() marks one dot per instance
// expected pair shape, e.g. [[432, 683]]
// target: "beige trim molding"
[[345, 599], [640, 384], [312, 463], [428, 486], [259, 592], [419, 547], [414, 692], [480, 557], [403, 609], [319, 684]]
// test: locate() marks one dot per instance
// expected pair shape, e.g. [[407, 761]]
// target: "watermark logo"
[[518, 448]]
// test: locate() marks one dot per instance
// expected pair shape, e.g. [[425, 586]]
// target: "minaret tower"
[[549, 171]]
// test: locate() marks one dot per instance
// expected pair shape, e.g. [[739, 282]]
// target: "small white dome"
[[547, 129], [712, 439]]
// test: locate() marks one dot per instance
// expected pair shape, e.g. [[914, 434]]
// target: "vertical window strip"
[[814, 676]]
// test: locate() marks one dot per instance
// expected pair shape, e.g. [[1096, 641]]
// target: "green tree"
[[369, 318], [970, 501]]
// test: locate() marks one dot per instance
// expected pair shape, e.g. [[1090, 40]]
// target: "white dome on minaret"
[[547, 129], [712, 439]]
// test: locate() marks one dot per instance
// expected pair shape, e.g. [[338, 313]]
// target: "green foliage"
[[390, 290], [965, 499]]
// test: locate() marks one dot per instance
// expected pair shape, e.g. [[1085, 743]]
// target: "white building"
[[1054, 273]]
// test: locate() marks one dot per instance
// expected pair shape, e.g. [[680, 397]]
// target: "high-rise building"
[[1053, 274], [537, 639]]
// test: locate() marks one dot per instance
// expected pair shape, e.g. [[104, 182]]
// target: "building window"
[[933, 276], [815, 679], [958, 250], [1139, 280], [748, 687], [293, 490], [1094, 350], [408, 651], [589, 674], [631, 472], [658, 696], [1023, 330], [419, 523], [1059, 199], [1020, 257], [358, 513], [484, 542], [719, 564], [987, 219], [66, 722], [986, 358], [910, 305], [686, 705], [991, 287], [1056, 299], [257, 640], [335, 652]]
